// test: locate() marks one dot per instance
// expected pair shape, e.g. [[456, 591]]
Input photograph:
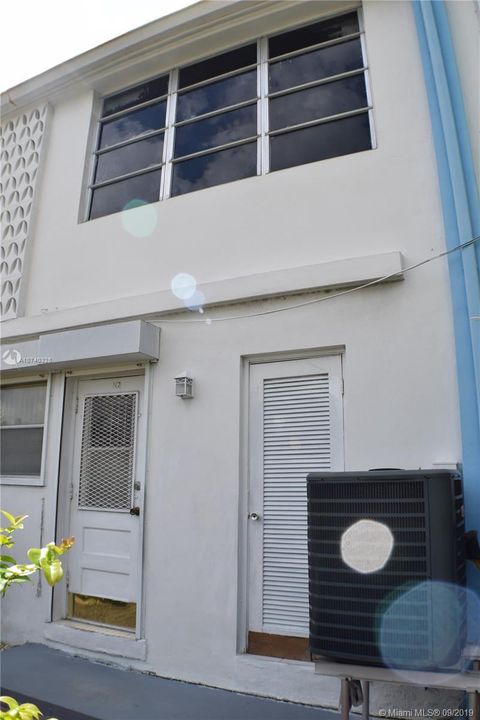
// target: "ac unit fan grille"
[[333, 508], [346, 605]]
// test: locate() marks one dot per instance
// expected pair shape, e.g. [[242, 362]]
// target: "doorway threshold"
[[95, 638], [98, 628]]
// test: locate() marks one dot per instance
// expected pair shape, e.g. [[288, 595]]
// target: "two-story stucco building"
[[234, 195]]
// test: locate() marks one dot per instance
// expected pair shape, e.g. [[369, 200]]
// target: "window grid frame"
[[217, 148], [212, 113], [124, 143], [316, 83], [318, 121], [243, 103], [316, 46], [98, 152], [130, 141], [324, 81], [217, 78], [126, 111], [262, 137], [126, 176]]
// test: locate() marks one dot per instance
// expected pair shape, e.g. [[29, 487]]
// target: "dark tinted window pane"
[[218, 95], [217, 130], [135, 123], [113, 198], [136, 95], [313, 34], [21, 451], [339, 137], [233, 60], [215, 169], [315, 65], [317, 102], [138, 155]]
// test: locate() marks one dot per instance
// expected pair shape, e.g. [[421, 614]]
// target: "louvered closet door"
[[295, 428]]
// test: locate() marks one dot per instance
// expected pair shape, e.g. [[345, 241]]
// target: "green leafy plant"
[[25, 711], [45, 560]]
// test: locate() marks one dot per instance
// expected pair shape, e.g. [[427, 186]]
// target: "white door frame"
[[59, 606]]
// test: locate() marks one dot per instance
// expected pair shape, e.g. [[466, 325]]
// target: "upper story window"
[[129, 155], [22, 424], [318, 105], [294, 98], [216, 126]]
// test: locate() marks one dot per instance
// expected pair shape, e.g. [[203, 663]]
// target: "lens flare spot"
[[366, 546], [196, 301], [423, 627], [183, 286], [139, 218]]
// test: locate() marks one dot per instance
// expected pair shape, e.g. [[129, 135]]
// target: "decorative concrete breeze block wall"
[[21, 142]]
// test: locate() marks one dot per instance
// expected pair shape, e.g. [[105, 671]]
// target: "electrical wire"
[[324, 298]]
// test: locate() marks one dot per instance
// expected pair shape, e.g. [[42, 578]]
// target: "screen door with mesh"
[[105, 503]]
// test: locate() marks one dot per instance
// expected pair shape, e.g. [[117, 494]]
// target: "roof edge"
[[202, 16]]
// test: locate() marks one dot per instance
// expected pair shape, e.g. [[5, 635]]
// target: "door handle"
[[135, 511]]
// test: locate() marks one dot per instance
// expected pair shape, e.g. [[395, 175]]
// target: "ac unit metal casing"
[[424, 512]]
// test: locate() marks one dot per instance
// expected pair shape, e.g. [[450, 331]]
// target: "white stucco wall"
[[400, 398], [193, 598], [374, 201]]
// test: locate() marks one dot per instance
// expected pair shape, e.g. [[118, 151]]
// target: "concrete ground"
[[72, 688]]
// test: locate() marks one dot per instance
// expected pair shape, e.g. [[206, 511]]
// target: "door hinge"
[[67, 578], [76, 406], [70, 493], [343, 386]]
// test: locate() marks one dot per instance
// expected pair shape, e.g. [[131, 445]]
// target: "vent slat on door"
[[296, 434], [107, 455]]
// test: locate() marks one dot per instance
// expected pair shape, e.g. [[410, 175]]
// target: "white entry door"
[[295, 427], [104, 566]]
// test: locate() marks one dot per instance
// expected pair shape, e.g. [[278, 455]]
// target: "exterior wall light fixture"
[[184, 386]]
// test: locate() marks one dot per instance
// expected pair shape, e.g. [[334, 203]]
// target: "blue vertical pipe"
[[461, 215], [460, 117]]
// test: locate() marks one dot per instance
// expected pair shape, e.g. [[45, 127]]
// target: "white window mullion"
[[262, 79], [361, 26], [166, 181], [92, 164]]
